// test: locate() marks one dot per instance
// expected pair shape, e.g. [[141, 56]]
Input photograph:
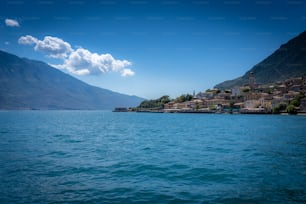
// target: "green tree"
[[165, 99], [183, 98], [155, 104], [296, 102], [279, 107], [197, 106], [291, 109], [245, 90]]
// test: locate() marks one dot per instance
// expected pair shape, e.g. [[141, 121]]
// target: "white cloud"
[[80, 61], [54, 47], [11, 22], [27, 40], [127, 72]]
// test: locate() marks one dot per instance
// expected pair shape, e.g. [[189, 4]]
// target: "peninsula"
[[281, 97], [275, 85]]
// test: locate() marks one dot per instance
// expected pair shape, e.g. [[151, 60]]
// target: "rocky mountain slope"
[[286, 62], [29, 84]]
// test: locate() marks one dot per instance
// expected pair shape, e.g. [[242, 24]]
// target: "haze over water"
[[98, 156]]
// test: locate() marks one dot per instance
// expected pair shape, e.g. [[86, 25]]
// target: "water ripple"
[[103, 157]]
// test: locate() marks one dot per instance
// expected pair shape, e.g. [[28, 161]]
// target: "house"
[[180, 105], [213, 103], [197, 104], [282, 88], [224, 95], [239, 105], [169, 105], [236, 91], [205, 95], [296, 88], [266, 101], [264, 89], [253, 96], [250, 104], [290, 95]]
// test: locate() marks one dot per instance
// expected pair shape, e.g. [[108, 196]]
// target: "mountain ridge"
[[288, 61], [32, 84]]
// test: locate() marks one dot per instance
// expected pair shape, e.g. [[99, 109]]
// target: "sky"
[[150, 48]]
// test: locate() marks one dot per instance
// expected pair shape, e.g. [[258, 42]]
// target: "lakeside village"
[[284, 97]]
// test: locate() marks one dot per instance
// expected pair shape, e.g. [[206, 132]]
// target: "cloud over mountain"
[[80, 61], [83, 62], [127, 72], [11, 22], [31, 84], [27, 40], [54, 47]]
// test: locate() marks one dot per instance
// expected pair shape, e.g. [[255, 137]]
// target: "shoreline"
[[244, 112]]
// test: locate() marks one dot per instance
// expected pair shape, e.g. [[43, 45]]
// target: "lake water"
[[105, 157]]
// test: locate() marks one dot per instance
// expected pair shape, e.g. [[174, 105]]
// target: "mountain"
[[286, 62], [29, 84]]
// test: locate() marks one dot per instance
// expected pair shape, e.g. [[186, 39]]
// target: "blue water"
[[105, 157]]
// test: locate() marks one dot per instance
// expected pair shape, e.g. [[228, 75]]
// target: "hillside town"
[[283, 97]]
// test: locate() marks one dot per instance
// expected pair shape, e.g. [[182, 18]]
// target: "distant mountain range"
[[286, 62], [29, 84]]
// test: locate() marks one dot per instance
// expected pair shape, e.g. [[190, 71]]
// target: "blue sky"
[[150, 48]]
